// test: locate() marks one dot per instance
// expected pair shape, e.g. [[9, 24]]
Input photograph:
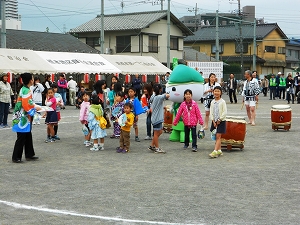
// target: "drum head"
[[281, 107], [237, 119]]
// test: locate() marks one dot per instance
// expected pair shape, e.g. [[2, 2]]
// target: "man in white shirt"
[[72, 90]]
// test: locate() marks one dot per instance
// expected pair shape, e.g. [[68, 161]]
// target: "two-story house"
[[293, 56], [141, 33], [270, 46]]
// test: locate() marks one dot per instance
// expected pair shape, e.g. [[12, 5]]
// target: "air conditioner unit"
[[108, 51]]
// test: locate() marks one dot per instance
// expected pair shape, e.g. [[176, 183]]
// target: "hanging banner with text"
[[207, 67]]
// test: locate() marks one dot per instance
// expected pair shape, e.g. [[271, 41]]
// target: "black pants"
[[187, 136], [23, 140], [265, 91], [232, 93], [282, 92]]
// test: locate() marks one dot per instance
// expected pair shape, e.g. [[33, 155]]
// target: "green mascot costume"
[[182, 78]]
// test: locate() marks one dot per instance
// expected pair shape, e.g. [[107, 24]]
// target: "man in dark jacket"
[[232, 84], [136, 83]]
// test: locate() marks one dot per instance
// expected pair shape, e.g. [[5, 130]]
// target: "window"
[[238, 48], [289, 52], [270, 49], [93, 41], [153, 43], [123, 44], [281, 50], [297, 55], [173, 43], [213, 48]]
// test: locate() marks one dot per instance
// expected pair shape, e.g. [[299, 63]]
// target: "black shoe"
[[17, 160], [32, 158]]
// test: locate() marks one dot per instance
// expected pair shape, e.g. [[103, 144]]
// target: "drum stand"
[[284, 126], [229, 144]]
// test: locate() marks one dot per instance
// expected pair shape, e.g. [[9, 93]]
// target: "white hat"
[[70, 77], [279, 73]]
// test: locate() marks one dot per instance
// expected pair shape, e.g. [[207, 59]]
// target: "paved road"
[[72, 185]]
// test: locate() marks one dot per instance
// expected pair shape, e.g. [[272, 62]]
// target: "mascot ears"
[[185, 74]]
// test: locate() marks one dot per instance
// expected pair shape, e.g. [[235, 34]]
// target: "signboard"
[[208, 67]]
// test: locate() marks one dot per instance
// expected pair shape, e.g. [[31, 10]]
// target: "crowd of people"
[[111, 107]]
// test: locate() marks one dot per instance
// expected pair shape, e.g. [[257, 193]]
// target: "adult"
[[137, 85], [47, 84], [277, 83], [62, 87], [232, 85], [167, 77], [15, 87], [265, 85], [5, 99], [272, 87], [208, 96], [37, 89], [79, 97], [250, 93], [290, 91], [163, 84], [282, 86], [23, 113], [72, 85], [297, 83]]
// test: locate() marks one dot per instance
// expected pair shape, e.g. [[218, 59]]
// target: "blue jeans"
[[148, 124], [4, 107], [64, 97]]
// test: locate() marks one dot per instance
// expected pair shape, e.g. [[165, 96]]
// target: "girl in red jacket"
[[191, 115]]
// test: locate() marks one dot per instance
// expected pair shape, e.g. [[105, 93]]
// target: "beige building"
[[143, 34], [270, 46]]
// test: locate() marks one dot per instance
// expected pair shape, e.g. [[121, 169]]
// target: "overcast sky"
[[63, 15]]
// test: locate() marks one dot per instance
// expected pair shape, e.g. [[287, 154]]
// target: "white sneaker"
[[148, 138], [94, 148], [87, 144], [33, 123], [101, 148], [38, 123]]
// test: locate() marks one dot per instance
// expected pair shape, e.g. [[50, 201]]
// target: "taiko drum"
[[281, 115], [235, 130]]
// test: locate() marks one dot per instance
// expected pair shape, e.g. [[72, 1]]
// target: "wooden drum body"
[[235, 132], [281, 117]]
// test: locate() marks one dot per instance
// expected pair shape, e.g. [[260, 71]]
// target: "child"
[[125, 130], [157, 117], [95, 113], [146, 102], [83, 117], [191, 115], [218, 111], [134, 100], [116, 111], [51, 118], [59, 106]]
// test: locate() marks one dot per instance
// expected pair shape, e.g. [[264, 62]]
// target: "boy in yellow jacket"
[[125, 129]]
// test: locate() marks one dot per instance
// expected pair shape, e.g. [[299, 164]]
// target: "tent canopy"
[[20, 61], [70, 62], [137, 64]]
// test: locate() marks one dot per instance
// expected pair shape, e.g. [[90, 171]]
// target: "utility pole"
[[168, 33], [254, 46], [217, 36], [3, 27], [241, 37], [196, 21], [102, 28]]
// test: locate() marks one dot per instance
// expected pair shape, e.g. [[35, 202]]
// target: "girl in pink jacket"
[[191, 115], [83, 118]]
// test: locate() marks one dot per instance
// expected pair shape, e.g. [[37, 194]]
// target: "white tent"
[[137, 64], [20, 61], [70, 62]]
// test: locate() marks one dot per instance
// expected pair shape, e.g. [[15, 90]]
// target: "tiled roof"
[[231, 32], [190, 54], [128, 21], [43, 41]]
